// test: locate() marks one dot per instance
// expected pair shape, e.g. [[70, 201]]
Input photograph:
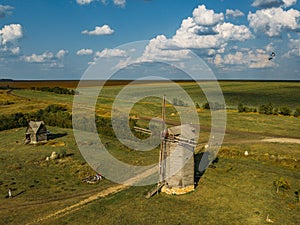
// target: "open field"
[[11, 103], [250, 93], [239, 190]]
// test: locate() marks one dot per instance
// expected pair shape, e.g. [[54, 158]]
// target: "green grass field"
[[239, 190]]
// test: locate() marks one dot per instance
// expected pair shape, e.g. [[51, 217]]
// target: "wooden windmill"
[[176, 158]]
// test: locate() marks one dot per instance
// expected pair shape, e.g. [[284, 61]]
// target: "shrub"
[[62, 153], [213, 106], [241, 108], [275, 111], [269, 109], [297, 112], [280, 183], [286, 111], [266, 109], [206, 105]]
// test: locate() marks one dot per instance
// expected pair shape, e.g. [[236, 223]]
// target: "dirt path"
[[82, 203], [10, 92], [102, 194], [282, 140]]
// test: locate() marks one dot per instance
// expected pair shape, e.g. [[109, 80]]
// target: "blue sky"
[[60, 39]]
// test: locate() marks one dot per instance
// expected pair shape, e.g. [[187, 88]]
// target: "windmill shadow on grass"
[[199, 170]]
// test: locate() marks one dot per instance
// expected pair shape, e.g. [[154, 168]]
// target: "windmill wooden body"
[[176, 158], [178, 169]]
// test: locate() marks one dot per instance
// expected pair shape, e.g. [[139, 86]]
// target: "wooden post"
[[162, 152]]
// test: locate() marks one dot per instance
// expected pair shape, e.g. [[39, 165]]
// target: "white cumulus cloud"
[[229, 31], [5, 10], [47, 58], [215, 34], [273, 3], [206, 17], [84, 2], [273, 21], [205, 32], [9, 36], [15, 50], [11, 33], [249, 58], [161, 48], [234, 13], [294, 46], [34, 58], [288, 3], [108, 53], [61, 53], [120, 3], [84, 51], [103, 30]]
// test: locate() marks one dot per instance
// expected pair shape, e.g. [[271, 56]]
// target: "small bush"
[[241, 107], [280, 183], [206, 105], [275, 111], [297, 112], [62, 153], [266, 109], [213, 106], [286, 111]]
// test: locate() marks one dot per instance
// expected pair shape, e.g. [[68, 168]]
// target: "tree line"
[[57, 115], [269, 109], [53, 115], [57, 90]]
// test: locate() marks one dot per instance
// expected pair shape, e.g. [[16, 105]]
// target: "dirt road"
[[111, 190], [282, 140]]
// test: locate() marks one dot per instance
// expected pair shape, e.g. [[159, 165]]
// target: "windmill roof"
[[186, 131]]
